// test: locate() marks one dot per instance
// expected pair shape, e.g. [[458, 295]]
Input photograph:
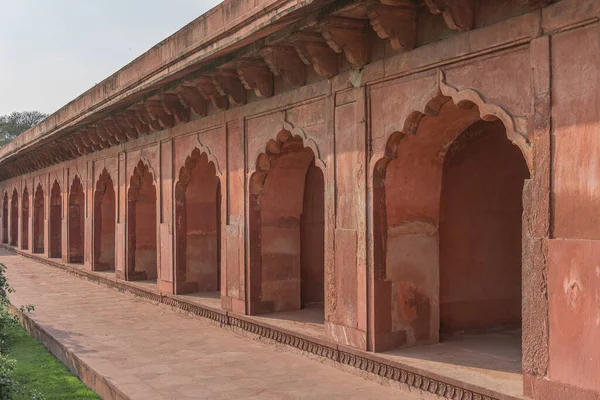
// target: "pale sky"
[[51, 51]]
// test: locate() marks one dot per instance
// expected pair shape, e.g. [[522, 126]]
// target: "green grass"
[[39, 370]]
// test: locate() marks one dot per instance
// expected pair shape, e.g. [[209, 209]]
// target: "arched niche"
[[430, 246], [55, 222], [38, 220], [25, 220], [76, 222], [198, 225], [286, 227], [14, 218], [141, 225], [5, 218], [105, 207]]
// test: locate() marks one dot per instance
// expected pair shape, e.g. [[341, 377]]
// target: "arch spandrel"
[[138, 171], [198, 149], [109, 165], [431, 104], [270, 151]]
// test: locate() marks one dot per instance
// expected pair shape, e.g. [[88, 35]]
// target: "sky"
[[51, 51]]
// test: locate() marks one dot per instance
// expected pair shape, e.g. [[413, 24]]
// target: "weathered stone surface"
[[355, 157]]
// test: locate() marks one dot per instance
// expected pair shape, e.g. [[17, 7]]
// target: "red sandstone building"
[[393, 173]]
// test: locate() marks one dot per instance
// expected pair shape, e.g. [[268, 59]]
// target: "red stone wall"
[[342, 191]]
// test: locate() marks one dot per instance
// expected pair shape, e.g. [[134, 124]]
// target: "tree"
[[13, 124]]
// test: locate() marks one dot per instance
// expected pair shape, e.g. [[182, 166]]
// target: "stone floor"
[[149, 352], [491, 360]]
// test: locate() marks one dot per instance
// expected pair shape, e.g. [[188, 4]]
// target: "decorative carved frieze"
[[284, 61], [255, 75], [313, 49], [458, 14], [395, 20], [347, 35]]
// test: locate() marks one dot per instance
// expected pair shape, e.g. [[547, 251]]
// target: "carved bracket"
[[210, 92], [158, 112], [347, 35], [284, 61], [175, 107], [192, 98], [396, 20], [255, 75], [312, 49], [228, 84]]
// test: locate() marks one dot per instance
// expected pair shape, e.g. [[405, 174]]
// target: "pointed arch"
[[406, 199], [5, 218], [25, 219], [14, 218], [55, 222], [141, 225], [105, 210], [430, 106], [76, 222], [38, 219], [287, 226], [198, 233]]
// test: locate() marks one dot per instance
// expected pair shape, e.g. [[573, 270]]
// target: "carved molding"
[[347, 35]]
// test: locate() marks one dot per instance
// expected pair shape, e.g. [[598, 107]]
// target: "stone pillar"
[[121, 236], [346, 284], [88, 190], [233, 200], [47, 193], [31, 213], [165, 216], [536, 223]]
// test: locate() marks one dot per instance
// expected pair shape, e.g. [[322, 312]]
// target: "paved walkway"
[[149, 352]]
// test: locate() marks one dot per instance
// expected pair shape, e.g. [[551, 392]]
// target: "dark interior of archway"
[[38, 220], [55, 223], [25, 220], [142, 255], [14, 219], [198, 208], [5, 219], [292, 231], [76, 222], [480, 231], [104, 225]]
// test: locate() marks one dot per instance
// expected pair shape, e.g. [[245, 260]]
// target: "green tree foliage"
[[13, 124]]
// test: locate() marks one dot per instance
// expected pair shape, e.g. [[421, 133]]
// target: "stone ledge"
[[371, 363], [98, 383]]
